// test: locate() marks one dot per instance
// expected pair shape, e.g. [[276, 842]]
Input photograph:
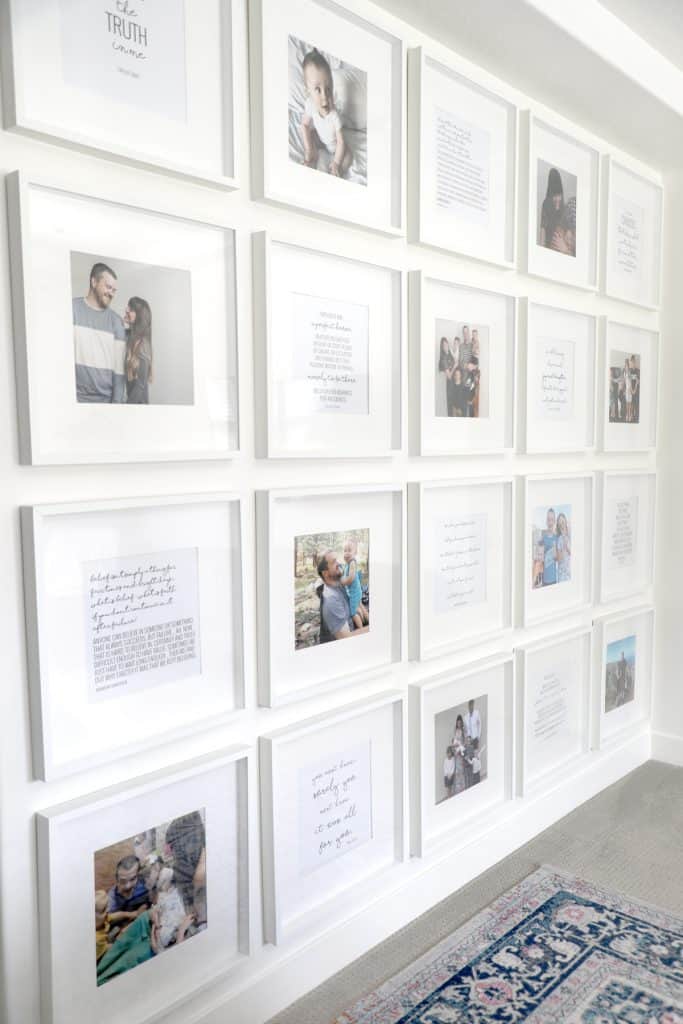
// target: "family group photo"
[[461, 349], [551, 546], [150, 894], [331, 587], [556, 204], [460, 748], [624, 388], [620, 673]]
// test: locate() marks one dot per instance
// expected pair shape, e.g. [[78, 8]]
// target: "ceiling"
[[660, 22]]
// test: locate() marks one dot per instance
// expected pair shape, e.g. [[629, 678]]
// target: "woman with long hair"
[[552, 208], [447, 362], [138, 322], [564, 550], [458, 745]]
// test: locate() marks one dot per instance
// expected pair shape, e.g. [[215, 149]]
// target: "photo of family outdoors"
[[551, 546], [460, 351], [331, 587], [556, 204], [117, 307], [460, 748], [327, 113], [150, 894], [620, 673], [624, 387]]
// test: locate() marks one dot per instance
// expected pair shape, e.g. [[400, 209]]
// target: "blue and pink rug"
[[553, 950]]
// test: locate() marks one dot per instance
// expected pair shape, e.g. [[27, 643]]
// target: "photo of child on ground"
[[331, 587], [620, 673]]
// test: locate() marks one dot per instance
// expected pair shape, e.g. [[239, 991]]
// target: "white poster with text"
[[623, 528], [463, 167], [459, 561], [555, 377], [551, 699], [331, 356], [628, 226]]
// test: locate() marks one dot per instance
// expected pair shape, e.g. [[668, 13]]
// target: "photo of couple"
[[620, 673], [331, 587], [150, 894], [551, 546], [624, 388], [461, 349], [556, 205], [117, 306], [460, 748]]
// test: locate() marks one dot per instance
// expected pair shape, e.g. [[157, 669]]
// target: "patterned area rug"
[[554, 949]]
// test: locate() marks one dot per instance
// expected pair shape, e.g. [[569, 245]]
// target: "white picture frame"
[[558, 575], [640, 346], [554, 702], [69, 835], [622, 708], [296, 526], [477, 128], [187, 269], [440, 309], [308, 884], [309, 301], [179, 116], [77, 557], [561, 375], [633, 236], [628, 505], [437, 813], [461, 558], [370, 106], [573, 257]]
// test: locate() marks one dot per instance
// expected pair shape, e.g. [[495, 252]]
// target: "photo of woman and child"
[[556, 209], [461, 349], [460, 748], [624, 388], [551, 546], [331, 587], [150, 894]]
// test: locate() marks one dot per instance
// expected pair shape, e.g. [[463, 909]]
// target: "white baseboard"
[[666, 747]]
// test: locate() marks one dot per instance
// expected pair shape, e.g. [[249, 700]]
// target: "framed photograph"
[[161, 69], [461, 560], [630, 388], [463, 367], [623, 666], [134, 619], [558, 546], [462, 157], [123, 309], [329, 335], [328, 118], [561, 375], [144, 891], [628, 533], [563, 206], [633, 246], [461, 752], [333, 814], [553, 691], [329, 570]]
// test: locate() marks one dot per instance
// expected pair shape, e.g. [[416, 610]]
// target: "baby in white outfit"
[[321, 123]]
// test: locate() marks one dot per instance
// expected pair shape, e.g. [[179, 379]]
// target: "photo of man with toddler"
[[331, 587], [460, 748]]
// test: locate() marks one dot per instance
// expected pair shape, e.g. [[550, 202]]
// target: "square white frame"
[[499, 563], [431, 828], [69, 833], [578, 433], [641, 190], [612, 727], [567, 151], [276, 647], [37, 522], [428, 433], [353, 892], [631, 437], [22, 114], [280, 181], [644, 541], [576, 594], [563, 765], [325, 430], [438, 228], [215, 357]]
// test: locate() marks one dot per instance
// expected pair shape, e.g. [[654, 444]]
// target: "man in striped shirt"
[[99, 341]]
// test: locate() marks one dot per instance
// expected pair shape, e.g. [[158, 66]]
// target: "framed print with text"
[[125, 330], [564, 178], [330, 592], [329, 334], [153, 879], [462, 155], [461, 563], [462, 354], [461, 752], [328, 118], [333, 814], [623, 666], [633, 246], [134, 618], [630, 388], [628, 533], [150, 82]]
